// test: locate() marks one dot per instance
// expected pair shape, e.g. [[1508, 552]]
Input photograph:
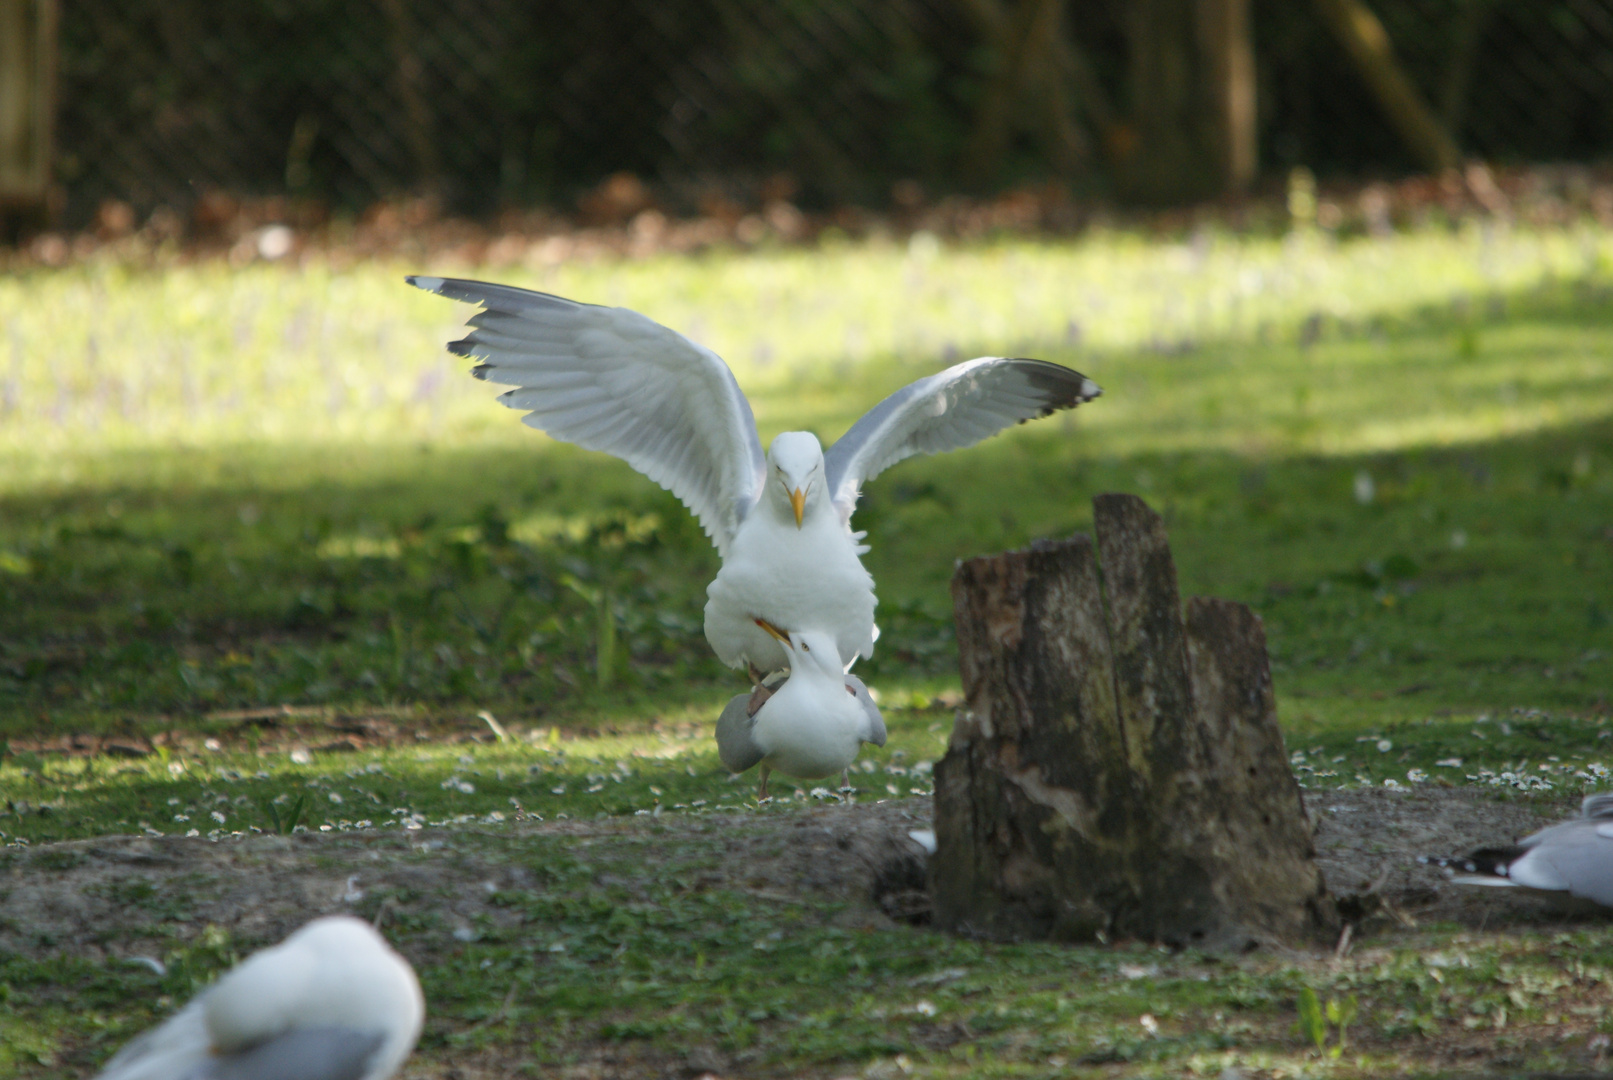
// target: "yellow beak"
[[798, 503], [775, 631]]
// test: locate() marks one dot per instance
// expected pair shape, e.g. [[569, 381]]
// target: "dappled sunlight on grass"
[[234, 778], [105, 357]]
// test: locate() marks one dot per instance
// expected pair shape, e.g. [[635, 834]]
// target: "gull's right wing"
[[610, 379]]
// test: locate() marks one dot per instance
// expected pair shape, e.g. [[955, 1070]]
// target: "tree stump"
[[1117, 770]]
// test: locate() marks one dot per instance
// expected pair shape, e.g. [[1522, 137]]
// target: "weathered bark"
[[1115, 770]]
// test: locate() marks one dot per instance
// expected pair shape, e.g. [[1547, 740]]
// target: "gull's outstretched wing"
[[610, 379], [955, 408]]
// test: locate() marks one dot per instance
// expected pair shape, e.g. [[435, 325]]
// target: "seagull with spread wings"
[[610, 379], [331, 1002]]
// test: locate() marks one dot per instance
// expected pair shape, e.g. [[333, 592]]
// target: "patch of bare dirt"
[[1368, 842], [109, 897]]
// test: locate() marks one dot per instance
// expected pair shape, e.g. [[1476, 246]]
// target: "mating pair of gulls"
[[792, 591]]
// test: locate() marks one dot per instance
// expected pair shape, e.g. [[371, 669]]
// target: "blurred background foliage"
[[497, 103]]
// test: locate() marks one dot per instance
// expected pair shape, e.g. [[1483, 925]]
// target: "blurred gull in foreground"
[[812, 726], [1569, 862], [331, 1002], [610, 379]]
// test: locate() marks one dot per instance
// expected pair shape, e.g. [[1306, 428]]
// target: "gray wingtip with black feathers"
[[1064, 388]]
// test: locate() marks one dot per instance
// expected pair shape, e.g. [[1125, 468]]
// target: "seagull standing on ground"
[[1571, 861], [610, 379], [331, 1002], [812, 726]]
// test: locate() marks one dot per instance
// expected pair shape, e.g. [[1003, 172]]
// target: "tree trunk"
[[27, 99], [1365, 39], [1192, 79], [1116, 770], [1231, 70]]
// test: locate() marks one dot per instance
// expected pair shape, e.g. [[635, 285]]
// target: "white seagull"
[[1571, 861], [610, 379], [812, 726], [331, 1002]]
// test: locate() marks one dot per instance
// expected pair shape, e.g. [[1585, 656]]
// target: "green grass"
[[620, 946], [224, 491]]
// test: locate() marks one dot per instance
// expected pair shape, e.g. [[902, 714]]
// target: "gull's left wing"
[[736, 746], [955, 408], [873, 721]]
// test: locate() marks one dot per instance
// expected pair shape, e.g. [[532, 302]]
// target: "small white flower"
[[1416, 776], [1384, 746], [1365, 489]]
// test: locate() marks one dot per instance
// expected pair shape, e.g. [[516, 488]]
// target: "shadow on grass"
[[1446, 571]]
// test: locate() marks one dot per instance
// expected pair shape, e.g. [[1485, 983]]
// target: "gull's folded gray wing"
[[610, 379], [874, 732], [735, 746], [952, 409], [1575, 857], [305, 1054]]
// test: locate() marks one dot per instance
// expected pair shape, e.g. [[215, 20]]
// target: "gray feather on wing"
[[952, 409], [875, 730], [735, 747], [330, 1053], [609, 379]]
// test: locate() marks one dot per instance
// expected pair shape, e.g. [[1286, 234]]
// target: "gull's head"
[[808, 650], [795, 470]]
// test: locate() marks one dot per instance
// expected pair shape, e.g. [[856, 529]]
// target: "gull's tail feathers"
[[1486, 866]]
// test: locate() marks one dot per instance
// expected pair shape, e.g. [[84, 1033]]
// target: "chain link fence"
[[492, 103]]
